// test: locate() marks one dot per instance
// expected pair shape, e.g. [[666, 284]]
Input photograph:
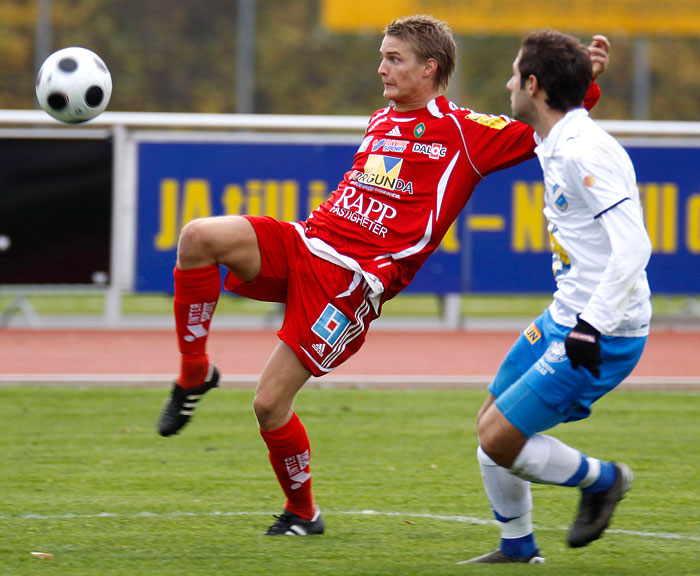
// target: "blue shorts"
[[536, 387]]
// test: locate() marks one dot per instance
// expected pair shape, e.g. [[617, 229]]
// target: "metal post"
[[43, 36], [113, 303], [642, 78], [245, 56]]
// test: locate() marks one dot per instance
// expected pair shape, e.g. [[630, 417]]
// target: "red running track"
[[669, 354]]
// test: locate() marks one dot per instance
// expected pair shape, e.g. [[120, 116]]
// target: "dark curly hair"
[[561, 65]]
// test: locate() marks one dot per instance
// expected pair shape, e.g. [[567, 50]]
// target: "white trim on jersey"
[[325, 251], [442, 185], [464, 144], [411, 250]]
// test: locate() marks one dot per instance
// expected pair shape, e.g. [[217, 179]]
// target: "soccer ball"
[[73, 85]]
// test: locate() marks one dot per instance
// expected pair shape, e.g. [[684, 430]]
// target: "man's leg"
[[546, 460], [287, 441], [204, 245], [511, 502]]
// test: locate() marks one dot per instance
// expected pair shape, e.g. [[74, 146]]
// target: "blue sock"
[[519, 547], [605, 480]]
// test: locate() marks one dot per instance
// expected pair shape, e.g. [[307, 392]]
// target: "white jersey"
[[600, 247]]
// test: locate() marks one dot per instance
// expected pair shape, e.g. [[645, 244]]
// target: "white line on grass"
[[464, 519]]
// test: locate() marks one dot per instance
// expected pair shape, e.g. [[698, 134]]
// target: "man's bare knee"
[[270, 412], [498, 438], [194, 248]]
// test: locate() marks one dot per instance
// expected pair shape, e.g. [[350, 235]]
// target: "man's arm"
[[599, 51], [630, 253]]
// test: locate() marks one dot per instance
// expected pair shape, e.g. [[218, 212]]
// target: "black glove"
[[583, 347]]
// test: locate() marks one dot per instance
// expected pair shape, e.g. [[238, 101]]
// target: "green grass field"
[[84, 477], [474, 305]]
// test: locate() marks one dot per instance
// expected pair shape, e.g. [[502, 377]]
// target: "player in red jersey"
[[420, 160]]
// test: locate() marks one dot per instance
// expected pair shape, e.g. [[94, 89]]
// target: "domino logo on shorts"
[[330, 325]]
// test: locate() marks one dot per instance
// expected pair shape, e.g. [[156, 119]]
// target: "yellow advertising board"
[[515, 17]]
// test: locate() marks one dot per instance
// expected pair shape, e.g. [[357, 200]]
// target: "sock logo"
[[199, 313], [297, 469], [198, 331]]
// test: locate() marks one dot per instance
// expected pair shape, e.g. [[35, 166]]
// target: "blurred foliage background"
[[180, 56]]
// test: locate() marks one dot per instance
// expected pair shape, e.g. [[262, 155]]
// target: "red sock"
[[289, 454], [196, 294]]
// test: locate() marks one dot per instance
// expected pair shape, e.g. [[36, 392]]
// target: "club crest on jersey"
[[419, 130], [330, 325], [560, 201]]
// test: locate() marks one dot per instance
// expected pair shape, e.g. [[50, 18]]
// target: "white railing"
[[122, 127]]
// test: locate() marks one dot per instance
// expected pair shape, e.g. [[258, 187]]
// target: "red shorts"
[[328, 310]]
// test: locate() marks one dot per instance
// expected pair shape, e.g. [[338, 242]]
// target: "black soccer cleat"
[[596, 510], [289, 524], [180, 406], [498, 557]]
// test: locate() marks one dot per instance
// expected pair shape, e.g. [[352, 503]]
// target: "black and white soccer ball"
[[73, 85]]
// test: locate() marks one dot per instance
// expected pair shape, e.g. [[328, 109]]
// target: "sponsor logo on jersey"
[[489, 120], [330, 325], [364, 210], [389, 145], [434, 151], [419, 130], [532, 333], [382, 172], [394, 131], [561, 263]]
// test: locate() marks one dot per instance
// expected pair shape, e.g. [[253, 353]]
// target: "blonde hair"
[[430, 38]]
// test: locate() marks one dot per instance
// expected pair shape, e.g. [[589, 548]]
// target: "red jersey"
[[411, 176]]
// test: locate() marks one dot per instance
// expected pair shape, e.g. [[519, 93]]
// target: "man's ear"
[[430, 67], [532, 86]]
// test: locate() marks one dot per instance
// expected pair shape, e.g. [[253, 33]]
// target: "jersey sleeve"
[[496, 142], [629, 255], [592, 96]]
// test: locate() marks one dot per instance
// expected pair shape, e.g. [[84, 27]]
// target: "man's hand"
[[599, 51], [583, 347]]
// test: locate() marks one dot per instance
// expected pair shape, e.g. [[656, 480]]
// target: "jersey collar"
[[548, 146]]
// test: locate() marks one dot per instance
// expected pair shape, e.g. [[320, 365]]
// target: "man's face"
[[402, 74], [520, 102]]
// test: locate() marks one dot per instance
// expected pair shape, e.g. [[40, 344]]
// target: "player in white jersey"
[[593, 333]]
